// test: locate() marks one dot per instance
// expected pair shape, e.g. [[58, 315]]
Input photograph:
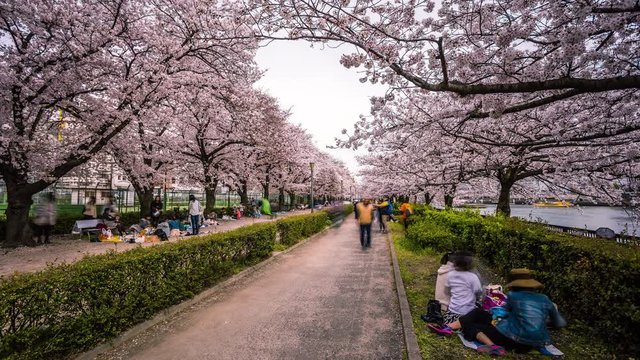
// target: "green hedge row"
[[69, 308], [594, 281], [295, 228]]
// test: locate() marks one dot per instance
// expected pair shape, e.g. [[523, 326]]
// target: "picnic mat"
[[548, 350]]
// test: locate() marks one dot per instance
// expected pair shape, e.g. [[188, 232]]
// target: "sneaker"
[[492, 350], [440, 330]]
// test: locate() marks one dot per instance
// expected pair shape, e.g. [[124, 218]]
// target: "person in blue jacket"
[[523, 327]]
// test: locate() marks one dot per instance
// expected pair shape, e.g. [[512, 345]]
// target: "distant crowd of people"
[[382, 210]]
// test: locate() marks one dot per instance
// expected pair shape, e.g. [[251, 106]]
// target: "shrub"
[[294, 228], [427, 234], [68, 308], [592, 280]]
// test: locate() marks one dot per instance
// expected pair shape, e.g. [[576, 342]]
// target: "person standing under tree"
[[194, 213], [90, 212], [45, 217], [406, 211], [156, 210], [365, 218]]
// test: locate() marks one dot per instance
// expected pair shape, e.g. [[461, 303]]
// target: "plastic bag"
[[493, 296]]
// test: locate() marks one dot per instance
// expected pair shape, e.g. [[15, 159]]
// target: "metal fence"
[[72, 199]]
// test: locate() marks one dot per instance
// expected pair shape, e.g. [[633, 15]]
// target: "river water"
[[589, 217]]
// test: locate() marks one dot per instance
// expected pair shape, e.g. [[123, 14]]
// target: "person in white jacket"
[[194, 213], [446, 265], [45, 218]]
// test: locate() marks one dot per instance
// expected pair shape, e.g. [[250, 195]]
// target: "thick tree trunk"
[[145, 197], [281, 200], [292, 200], [210, 194], [428, 198], [243, 193], [17, 231], [265, 190], [448, 200], [504, 200]]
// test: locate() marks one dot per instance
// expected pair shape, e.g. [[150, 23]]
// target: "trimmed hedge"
[[594, 281], [70, 308], [295, 228]]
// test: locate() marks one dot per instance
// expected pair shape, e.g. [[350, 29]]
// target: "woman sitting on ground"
[[525, 325], [446, 266], [464, 289]]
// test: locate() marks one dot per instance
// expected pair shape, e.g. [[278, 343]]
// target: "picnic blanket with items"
[[493, 301]]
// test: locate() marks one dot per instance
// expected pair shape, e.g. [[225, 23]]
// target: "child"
[[464, 288], [446, 266], [525, 325]]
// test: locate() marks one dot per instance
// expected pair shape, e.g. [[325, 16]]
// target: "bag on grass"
[[434, 314], [161, 234], [493, 296]]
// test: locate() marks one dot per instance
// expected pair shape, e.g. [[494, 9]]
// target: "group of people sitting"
[[519, 325]]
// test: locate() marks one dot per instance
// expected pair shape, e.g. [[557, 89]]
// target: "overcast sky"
[[324, 97]]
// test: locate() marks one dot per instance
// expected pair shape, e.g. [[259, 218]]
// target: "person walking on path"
[[365, 218], [90, 212], [407, 211], [45, 218], [194, 213]]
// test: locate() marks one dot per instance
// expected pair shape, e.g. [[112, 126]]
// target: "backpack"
[[434, 314], [493, 296], [161, 234]]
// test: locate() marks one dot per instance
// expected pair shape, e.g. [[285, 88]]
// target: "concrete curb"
[[410, 339], [167, 313]]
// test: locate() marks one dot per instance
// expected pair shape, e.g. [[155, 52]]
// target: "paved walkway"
[[326, 299]]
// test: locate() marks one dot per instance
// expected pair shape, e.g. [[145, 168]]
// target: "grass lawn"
[[418, 269]]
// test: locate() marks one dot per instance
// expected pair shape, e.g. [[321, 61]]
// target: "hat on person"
[[523, 278]]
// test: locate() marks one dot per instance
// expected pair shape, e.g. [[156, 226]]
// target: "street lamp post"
[[311, 165]]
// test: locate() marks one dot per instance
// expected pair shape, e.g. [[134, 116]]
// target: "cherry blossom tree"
[[538, 51], [102, 63]]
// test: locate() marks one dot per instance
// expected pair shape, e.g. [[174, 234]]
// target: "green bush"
[[294, 228], [347, 210], [65, 309], [592, 280], [427, 234]]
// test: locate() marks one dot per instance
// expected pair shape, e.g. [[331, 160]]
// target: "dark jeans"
[[478, 321], [195, 224], [365, 228], [44, 230]]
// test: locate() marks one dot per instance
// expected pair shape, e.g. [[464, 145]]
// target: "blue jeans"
[[365, 228], [195, 224]]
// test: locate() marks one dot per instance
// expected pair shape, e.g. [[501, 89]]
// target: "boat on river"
[[562, 203]]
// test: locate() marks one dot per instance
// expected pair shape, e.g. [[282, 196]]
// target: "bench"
[[87, 226]]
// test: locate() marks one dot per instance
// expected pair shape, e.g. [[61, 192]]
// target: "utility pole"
[[311, 165]]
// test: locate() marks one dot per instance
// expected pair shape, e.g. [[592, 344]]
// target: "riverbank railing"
[[619, 238]]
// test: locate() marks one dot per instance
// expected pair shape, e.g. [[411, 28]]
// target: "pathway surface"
[[69, 249], [326, 299]]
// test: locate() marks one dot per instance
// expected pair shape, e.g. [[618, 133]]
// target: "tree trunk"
[[145, 197], [292, 200], [281, 200], [210, 194], [243, 193], [448, 200], [265, 189], [17, 231], [504, 200], [428, 198]]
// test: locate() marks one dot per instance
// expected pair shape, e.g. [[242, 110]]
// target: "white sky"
[[324, 97]]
